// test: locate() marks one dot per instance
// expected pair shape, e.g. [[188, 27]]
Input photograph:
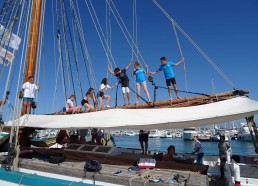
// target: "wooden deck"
[[75, 169]]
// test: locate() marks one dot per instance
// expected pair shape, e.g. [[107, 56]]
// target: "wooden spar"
[[33, 40], [31, 56], [196, 100]]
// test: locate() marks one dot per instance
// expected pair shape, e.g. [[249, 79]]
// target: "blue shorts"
[[140, 83], [28, 100]]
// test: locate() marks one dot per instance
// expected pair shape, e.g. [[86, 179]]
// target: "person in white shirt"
[[28, 89], [100, 95], [70, 108]]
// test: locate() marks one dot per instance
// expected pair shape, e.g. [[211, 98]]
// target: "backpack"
[[92, 166], [179, 178], [56, 158]]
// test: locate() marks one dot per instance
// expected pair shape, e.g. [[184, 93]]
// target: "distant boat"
[[244, 134], [154, 133], [204, 136], [178, 135], [217, 138], [131, 133], [189, 133]]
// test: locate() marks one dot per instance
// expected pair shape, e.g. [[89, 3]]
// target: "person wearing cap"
[[70, 108]]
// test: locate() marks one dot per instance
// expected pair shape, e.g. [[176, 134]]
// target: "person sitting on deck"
[[86, 100], [63, 137], [70, 108], [123, 79], [166, 66], [170, 154], [103, 87], [28, 89], [140, 80]]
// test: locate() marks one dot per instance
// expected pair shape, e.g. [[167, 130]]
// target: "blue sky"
[[225, 30]]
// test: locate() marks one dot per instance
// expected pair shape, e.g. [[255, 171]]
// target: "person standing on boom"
[[28, 89], [166, 66], [123, 79], [140, 80]]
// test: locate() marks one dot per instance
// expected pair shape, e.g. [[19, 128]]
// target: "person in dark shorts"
[[166, 66], [123, 79], [101, 93], [86, 100], [143, 138]]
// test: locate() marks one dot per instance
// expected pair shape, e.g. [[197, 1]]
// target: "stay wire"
[[60, 49], [67, 54], [81, 47], [196, 46], [73, 51]]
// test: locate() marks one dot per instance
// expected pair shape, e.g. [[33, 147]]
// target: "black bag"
[[179, 178], [56, 159], [92, 166]]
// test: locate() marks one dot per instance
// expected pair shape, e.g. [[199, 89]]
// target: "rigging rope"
[[67, 54], [85, 64], [196, 46], [98, 27], [55, 62], [181, 53], [79, 22], [125, 33], [73, 51], [61, 61]]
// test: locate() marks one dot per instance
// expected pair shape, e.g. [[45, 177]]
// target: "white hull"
[[189, 135]]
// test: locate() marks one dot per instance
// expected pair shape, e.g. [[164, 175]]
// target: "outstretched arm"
[[130, 63], [156, 72], [110, 70], [179, 62]]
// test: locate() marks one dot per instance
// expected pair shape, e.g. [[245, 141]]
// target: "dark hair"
[[89, 90], [196, 137], [72, 96], [163, 58], [137, 63], [117, 70], [30, 77], [171, 147], [222, 137], [104, 81]]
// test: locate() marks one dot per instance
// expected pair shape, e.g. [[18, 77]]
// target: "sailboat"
[[198, 110]]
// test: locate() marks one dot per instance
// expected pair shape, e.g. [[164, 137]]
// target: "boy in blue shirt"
[[166, 66]]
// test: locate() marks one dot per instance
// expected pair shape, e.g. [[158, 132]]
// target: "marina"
[[83, 102]]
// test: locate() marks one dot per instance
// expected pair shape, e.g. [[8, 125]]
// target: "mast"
[[33, 40]]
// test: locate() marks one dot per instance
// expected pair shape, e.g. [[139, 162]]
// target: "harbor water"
[[182, 146]]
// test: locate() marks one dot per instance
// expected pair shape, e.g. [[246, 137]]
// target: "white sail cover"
[[158, 118]]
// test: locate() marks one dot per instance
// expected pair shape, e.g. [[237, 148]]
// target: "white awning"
[[158, 118]]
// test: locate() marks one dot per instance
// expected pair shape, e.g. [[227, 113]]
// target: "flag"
[[14, 41], [6, 57]]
